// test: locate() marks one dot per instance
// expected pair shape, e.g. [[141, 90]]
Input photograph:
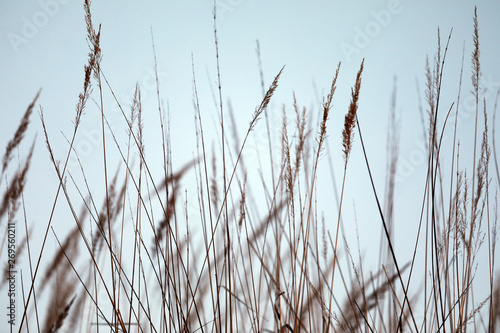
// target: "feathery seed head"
[[350, 117]]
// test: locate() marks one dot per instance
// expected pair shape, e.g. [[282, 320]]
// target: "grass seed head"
[[350, 118]]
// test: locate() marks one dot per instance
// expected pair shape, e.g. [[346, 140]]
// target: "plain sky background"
[[43, 45]]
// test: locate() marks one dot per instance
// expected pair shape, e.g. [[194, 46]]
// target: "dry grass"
[[139, 262]]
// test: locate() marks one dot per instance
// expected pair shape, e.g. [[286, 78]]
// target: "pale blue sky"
[[42, 45]]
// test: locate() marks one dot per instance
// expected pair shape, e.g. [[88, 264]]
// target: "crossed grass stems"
[[248, 273]]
